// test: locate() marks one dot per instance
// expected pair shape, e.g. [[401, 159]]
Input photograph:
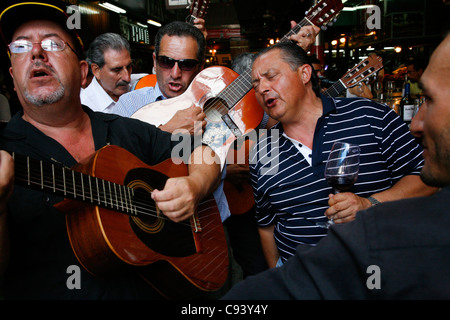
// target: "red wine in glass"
[[341, 170], [341, 183]]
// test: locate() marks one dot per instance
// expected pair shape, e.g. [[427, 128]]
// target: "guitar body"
[[206, 91], [178, 259], [239, 192]]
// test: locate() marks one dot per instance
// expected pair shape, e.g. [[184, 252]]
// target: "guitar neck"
[[318, 15], [237, 89], [243, 83], [197, 10], [296, 29], [68, 183], [335, 89], [190, 19]]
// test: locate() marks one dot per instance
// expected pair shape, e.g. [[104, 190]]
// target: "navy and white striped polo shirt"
[[293, 195]]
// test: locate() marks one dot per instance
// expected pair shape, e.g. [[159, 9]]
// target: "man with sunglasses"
[[36, 258], [178, 57]]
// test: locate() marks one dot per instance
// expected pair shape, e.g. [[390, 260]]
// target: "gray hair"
[[103, 43]]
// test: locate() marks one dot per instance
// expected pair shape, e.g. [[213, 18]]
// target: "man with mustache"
[[111, 65], [110, 62]]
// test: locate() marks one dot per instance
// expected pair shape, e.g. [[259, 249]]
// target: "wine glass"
[[342, 168], [390, 88], [378, 87]]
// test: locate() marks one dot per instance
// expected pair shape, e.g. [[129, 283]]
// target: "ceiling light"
[[367, 6], [142, 25], [154, 23], [112, 7]]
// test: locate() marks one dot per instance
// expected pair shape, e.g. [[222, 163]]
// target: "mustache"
[[42, 65], [122, 83]]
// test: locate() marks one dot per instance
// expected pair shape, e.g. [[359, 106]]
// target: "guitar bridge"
[[196, 224], [231, 125]]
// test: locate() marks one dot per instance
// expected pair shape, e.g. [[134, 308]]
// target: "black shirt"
[[42, 261]]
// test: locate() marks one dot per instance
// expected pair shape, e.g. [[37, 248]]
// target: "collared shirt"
[[96, 98], [132, 101], [292, 194]]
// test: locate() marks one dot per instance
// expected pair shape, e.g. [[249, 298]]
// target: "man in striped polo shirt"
[[287, 169]]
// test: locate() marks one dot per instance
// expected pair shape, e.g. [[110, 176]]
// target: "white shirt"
[[96, 98]]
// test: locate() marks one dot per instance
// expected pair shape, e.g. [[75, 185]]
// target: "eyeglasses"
[[183, 64], [51, 45]]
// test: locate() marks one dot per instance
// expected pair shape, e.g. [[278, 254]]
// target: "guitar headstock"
[[198, 8], [324, 11], [362, 70]]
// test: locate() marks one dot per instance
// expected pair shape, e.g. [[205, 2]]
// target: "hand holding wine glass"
[[342, 168]]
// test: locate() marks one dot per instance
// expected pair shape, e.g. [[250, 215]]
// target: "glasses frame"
[[65, 43], [170, 63]]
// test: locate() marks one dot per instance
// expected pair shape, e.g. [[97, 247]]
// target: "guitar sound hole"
[[150, 225], [152, 219], [214, 109]]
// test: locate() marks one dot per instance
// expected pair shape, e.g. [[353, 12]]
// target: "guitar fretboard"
[[243, 83], [68, 183], [335, 89]]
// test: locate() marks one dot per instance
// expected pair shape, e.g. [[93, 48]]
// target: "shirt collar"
[[328, 105], [100, 100], [158, 94]]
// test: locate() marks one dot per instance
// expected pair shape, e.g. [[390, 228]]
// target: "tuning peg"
[[323, 28]]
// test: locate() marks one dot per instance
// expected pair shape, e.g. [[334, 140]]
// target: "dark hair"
[[417, 63], [103, 43], [182, 29], [295, 56]]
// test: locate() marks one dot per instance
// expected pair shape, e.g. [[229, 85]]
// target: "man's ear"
[[305, 73], [95, 70], [84, 67], [12, 76], [154, 60]]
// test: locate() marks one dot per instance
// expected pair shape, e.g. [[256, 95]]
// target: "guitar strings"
[[141, 205], [243, 81]]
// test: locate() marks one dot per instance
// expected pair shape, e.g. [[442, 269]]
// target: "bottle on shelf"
[[406, 108], [405, 81]]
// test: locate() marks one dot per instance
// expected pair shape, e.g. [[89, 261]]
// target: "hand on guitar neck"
[[200, 24], [306, 37]]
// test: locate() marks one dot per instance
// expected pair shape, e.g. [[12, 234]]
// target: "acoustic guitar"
[[226, 98], [197, 9], [355, 75], [114, 225]]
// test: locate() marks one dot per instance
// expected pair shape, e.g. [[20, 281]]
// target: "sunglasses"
[[183, 64]]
